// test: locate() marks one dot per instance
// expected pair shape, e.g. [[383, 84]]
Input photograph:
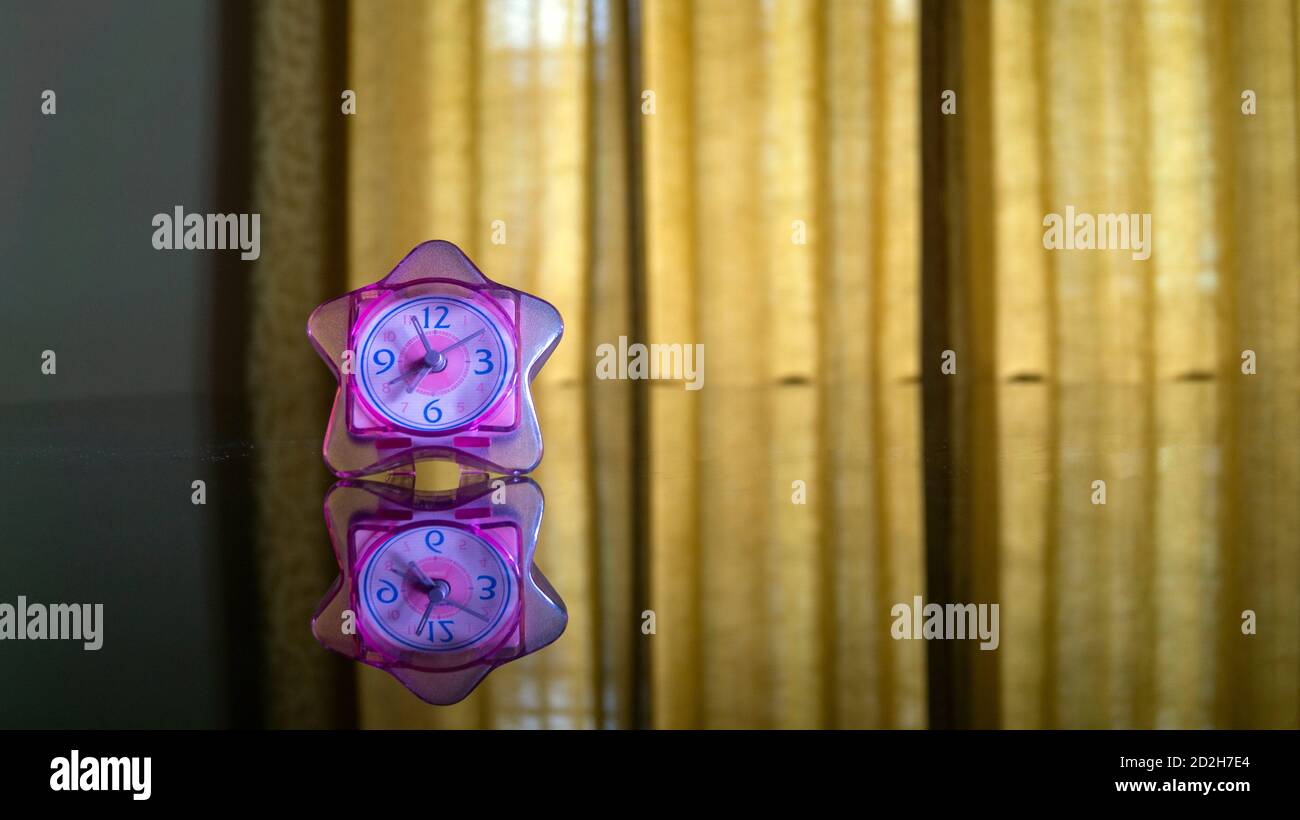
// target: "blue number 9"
[[387, 587], [484, 357], [384, 366]]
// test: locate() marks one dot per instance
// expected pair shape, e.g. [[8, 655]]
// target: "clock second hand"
[[422, 369], [424, 579]]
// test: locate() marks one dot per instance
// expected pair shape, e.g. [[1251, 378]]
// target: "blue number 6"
[[431, 406]]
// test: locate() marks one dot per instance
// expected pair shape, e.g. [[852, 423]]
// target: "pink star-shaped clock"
[[437, 589], [434, 361]]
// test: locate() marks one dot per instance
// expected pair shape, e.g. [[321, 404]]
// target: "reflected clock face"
[[433, 363], [436, 589]]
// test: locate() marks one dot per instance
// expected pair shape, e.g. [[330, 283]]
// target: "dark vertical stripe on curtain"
[[947, 710], [299, 189], [958, 309], [230, 420], [640, 548]]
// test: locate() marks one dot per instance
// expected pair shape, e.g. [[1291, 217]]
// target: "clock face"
[[433, 363], [435, 589]]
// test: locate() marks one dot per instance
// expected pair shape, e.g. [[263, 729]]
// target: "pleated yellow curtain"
[[483, 121], [781, 233], [495, 125], [750, 175], [1130, 372]]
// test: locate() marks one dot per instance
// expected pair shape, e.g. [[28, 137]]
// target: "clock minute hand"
[[468, 338], [466, 610]]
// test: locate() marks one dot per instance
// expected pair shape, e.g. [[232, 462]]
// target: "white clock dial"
[[436, 589]]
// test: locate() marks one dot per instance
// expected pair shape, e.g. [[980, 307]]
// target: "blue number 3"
[[484, 357]]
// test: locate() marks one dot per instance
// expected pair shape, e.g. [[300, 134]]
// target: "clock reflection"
[[437, 588]]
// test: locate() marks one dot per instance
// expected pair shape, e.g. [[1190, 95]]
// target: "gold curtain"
[[748, 175], [776, 123], [1097, 366], [502, 121], [476, 116]]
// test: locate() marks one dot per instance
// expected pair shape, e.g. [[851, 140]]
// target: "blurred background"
[[772, 179]]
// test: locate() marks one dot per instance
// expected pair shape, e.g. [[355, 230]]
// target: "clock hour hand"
[[432, 360], [428, 351], [424, 619], [437, 595]]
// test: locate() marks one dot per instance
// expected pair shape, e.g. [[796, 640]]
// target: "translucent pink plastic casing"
[[504, 438], [360, 514]]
